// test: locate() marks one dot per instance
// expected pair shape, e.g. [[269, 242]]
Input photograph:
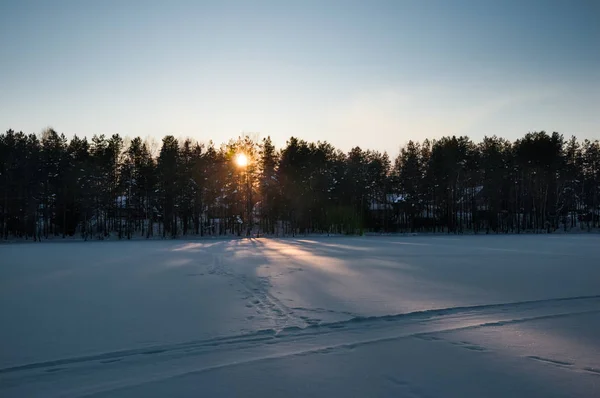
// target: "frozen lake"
[[421, 316]]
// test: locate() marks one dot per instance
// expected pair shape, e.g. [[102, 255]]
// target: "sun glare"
[[241, 160]]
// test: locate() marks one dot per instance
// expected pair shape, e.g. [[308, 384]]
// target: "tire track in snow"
[[592, 370], [328, 348], [325, 311], [111, 357], [420, 324], [550, 361], [559, 363]]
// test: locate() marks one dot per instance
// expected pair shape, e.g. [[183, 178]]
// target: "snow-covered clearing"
[[417, 316]]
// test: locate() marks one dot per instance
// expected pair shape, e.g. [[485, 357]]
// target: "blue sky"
[[367, 73]]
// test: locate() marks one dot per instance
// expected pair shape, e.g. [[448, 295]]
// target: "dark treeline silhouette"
[[50, 186]]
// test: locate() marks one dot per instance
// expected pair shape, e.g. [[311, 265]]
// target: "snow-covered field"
[[431, 316]]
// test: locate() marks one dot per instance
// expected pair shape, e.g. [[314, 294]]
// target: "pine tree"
[[51, 186], [268, 186], [168, 184]]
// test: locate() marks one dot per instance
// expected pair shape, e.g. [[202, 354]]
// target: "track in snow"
[[271, 343], [210, 309]]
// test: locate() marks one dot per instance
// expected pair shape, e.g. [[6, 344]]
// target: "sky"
[[373, 74]]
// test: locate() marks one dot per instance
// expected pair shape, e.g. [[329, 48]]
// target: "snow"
[[419, 316]]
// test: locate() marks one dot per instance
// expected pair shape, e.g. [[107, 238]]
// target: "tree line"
[[54, 187]]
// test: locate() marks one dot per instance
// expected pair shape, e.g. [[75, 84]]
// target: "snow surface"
[[424, 316]]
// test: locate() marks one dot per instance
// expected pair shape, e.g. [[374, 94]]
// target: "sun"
[[241, 160]]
